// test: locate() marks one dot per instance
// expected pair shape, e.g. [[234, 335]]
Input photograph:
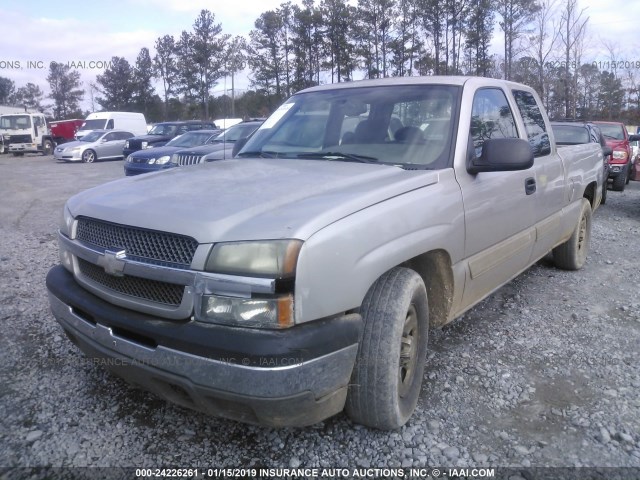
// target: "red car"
[[617, 138]]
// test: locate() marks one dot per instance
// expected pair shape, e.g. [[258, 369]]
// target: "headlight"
[[162, 160], [619, 155], [144, 144], [128, 158], [66, 222], [248, 312], [272, 258], [126, 144]]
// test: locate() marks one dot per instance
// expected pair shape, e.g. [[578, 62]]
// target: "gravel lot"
[[545, 372]]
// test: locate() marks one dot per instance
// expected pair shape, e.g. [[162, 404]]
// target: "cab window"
[[533, 123], [491, 117]]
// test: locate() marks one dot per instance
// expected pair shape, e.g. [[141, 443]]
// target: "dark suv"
[[576, 133], [161, 133]]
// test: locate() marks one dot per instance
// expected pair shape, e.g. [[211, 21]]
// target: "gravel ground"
[[545, 372]]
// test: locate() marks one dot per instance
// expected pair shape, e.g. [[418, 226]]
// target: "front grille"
[[149, 246], [137, 160], [20, 139], [152, 290], [135, 144], [186, 159]]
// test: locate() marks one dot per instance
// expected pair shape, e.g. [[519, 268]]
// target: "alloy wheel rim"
[[408, 351]]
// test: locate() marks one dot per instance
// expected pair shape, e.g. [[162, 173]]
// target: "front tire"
[[47, 147], [89, 156], [387, 377], [619, 181], [604, 192], [572, 254]]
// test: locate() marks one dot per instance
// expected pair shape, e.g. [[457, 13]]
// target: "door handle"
[[530, 185]]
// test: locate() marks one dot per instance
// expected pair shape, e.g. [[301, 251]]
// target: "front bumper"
[[292, 377], [24, 148], [67, 157], [616, 169], [138, 168]]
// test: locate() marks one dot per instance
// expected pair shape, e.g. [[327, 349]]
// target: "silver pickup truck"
[[301, 278]]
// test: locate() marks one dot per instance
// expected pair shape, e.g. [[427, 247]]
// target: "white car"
[[97, 145]]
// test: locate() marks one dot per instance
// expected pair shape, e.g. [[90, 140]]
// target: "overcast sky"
[[36, 32]]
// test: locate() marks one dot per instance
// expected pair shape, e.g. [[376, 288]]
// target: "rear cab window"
[[533, 123], [491, 117]]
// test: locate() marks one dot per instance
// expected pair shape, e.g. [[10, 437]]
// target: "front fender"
[[339, 263]]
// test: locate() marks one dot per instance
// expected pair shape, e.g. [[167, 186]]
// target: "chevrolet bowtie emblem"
[[113, 262]]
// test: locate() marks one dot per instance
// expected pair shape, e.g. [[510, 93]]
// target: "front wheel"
[[47, 147], [386, 379], [572, 254], [89, 156], [619, 181]]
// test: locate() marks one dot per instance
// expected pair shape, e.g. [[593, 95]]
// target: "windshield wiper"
[[609, 136], [259, 153], [340, 156]]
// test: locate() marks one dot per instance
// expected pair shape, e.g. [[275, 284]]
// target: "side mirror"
[[634, 138], [606, 151], [241, 142], [501, 155]]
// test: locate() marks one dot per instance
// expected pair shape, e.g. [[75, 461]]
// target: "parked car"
[[576, 133], [219, 148], [154, 159], [162, 132], [617, 138], [97, 145]]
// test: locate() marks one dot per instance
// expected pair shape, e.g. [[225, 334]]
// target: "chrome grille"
[[152, 290], [149, 246], [186, 159]]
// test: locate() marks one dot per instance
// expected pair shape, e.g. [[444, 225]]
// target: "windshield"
[[235, 133], [399, 124], [190, 139], [163, 130], [94, 124], [92, 137], [570, 134], [15, 122], [612, 131]]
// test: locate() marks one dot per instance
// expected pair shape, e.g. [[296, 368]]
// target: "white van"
[[129, 121]]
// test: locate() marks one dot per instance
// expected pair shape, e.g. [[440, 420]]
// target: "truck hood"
[[155, 152], [204, 149], [151, 138], [248, 199]]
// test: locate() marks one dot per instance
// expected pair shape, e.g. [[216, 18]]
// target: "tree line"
[[324, 41]]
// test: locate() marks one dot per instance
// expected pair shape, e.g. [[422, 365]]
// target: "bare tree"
[[516, 16], [573, 24], [543, 42]]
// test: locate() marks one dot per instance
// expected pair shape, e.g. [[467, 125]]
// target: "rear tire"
[[387, 377], [89, 156], [572, 254]]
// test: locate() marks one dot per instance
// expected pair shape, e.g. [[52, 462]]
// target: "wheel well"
[[590, 193], [435, 269]]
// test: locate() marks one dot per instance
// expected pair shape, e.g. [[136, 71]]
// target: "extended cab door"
[[549, 173], [499, 206]]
